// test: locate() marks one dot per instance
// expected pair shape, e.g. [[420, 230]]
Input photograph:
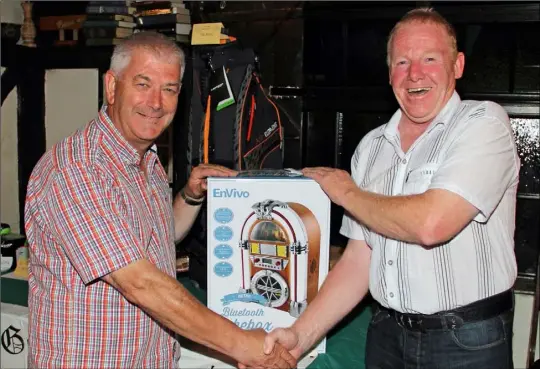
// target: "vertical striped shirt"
[[469, 150], [91, 210]]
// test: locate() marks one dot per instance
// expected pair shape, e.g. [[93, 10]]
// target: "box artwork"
[[268, 247]]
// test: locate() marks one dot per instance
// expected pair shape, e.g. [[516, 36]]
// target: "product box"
[[268, 247]]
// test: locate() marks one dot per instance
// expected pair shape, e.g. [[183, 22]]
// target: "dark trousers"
[[484, 344]]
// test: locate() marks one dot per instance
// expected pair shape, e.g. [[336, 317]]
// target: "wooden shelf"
[[61, 57]]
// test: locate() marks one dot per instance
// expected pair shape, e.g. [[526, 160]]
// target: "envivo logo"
[[230, 193]]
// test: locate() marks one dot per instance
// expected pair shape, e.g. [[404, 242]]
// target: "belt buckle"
[[416, 324]]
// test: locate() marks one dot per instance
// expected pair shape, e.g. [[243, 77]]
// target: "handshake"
[[280, 349]]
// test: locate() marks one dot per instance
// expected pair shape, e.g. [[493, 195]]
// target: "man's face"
[[143, 98], [422, 70]]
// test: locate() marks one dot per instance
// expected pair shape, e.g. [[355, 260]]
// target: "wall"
[[71, 101], [11, 12]]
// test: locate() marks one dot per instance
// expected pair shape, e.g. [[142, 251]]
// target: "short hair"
[[424, 15], [152, 41]]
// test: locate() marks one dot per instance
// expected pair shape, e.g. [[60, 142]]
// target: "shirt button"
[[404, 161], [390, 262], [391, 294]]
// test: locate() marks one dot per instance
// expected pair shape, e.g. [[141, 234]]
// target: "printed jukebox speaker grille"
[[280, 248]]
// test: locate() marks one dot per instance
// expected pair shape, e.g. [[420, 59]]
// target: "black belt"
[[452, 319]]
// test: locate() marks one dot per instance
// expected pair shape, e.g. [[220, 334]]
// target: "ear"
[[389, 65], [459, 65], [110, 86]]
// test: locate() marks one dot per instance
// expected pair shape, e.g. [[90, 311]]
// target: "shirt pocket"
[[135, 214], [379, 184], [418, 179]]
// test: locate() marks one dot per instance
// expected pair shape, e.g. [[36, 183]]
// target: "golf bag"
[[233, 122]]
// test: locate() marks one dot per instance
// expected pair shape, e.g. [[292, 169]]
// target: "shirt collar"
[[119, 144], [114, 138], [390, 129]]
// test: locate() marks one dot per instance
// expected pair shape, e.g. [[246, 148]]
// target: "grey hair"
[[154, 42]]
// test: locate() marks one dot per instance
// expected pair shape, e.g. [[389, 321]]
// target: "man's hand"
[[336, 183], [196, 185], [286, 337], [253, 356]]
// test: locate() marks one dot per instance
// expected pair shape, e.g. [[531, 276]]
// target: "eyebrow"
[[146, 78], [142, 76]]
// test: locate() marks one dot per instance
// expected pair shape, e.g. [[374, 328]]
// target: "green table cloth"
[[345, 346]]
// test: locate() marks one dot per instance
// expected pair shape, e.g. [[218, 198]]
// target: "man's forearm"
[[166, 300], [399, 217], [184, 217], [345, 286]]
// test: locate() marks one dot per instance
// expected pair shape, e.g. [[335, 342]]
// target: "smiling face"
[[142, 99], [423, 71]]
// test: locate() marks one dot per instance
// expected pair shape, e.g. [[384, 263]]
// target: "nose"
[[415, 71], [155, 99]]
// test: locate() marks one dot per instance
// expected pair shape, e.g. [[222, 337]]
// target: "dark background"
[[326, 61]]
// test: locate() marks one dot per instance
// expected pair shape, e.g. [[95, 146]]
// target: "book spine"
[[95, 9], [108, 23], [107, 32], [102, 41], [180, 18], [183, 11], [148, 5], [152, 20], [104, 16], [183, 29]]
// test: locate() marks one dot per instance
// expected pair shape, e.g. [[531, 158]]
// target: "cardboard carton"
[[268, 247]]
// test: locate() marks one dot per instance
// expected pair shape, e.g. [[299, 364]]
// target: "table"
[[345, 345]]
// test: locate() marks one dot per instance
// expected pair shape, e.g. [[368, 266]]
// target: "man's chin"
[[417, 118]]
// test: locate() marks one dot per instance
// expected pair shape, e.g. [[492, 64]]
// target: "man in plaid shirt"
[[102, 234]]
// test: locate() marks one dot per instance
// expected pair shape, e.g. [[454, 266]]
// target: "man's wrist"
[[238, 344], [304, 338], [191, 199], [347, 197]]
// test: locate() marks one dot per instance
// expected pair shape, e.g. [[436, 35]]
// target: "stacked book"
[[168, 17], [108, 22]]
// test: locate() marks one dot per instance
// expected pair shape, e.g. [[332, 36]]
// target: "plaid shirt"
[[91, 211]]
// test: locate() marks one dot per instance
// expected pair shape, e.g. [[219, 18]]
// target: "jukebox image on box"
[[280, 247]]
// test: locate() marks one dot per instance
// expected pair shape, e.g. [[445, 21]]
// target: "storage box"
[[10, 244], [268, 247]]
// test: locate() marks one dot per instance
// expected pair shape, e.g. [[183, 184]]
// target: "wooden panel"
[[30, 127]]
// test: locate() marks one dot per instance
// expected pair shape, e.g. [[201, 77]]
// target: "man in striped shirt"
[[102, 232], [430, 210]]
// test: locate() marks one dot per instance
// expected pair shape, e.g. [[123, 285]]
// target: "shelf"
[[61, 57], [528, 196]]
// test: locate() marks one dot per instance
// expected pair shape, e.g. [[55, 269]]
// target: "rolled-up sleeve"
[[350, 228], [84, 209], [481, 164]]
